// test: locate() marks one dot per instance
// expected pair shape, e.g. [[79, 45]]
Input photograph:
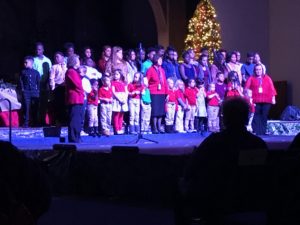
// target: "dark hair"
[[199, 81], [235, 112], [190, 80], [151, 49], [230, 54], [219, 73], [155, 59], [159, 47], [92, 81], [202, 56], [170, 48], [28, 57], [250, 54], [128, 53], [185, 53], [139, 82], [204, 49], [120, 72], [68, 45], [233, 77]]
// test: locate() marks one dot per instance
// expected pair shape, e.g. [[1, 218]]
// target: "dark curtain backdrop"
[[83, 22]]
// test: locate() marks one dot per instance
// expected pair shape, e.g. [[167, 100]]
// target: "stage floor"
[[168, 144]]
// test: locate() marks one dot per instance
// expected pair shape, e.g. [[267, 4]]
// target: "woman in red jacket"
[[74, 98], [263, 93], [158, 89]]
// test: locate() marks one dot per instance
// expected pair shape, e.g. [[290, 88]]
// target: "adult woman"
[[186, 69], [204, 71], [87, 59], [257, 60], [117, 62], [130, 58], [158, 89], [232, 65], [74, 98], [263, 93], [106, 54], [218, 66]]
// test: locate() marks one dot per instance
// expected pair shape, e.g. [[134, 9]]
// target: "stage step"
[[33, 132]]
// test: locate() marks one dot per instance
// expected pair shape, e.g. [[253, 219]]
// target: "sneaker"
[[120, 132], [149, 132], [82, 133], [182, 132]]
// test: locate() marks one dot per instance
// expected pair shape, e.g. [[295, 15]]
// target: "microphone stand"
[[139, 134]]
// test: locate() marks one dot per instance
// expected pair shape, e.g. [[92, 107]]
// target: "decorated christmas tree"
[[203, 29]]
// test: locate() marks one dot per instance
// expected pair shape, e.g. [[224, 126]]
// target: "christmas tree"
[[203, 29]]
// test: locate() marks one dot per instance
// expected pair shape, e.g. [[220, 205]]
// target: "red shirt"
[[135, 87], [172, 96], [180, 95], [153, 80], [92, 98], [74, 89], [105, 93], [102, 65], [264, 83], [191, 95], [118, 85], [214, 101]]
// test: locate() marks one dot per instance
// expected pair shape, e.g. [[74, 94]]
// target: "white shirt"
[[86, 85], [38, 64], [93, 73]]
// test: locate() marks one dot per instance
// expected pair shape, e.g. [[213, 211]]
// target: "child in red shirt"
[[213, 108], [106, 98], [191, 97], [134, 91], [171, 105], [92, 109], [181, 107], [120, 97]]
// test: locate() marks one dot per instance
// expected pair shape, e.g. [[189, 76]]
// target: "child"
[[120, 96], [106, 98], [134, 91], [248, 97], [221, 87], [182, 106], [233, 87], [201, 114], [86, 84], [92, 108], [213, 108], [146, 108], [171, 105], [30, 87], [191, 96]]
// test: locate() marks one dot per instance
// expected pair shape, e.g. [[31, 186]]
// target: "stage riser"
[[131, 176]]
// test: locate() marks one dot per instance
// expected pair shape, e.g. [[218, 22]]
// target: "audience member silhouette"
[[296, 143], [208, 184], [24, 190]]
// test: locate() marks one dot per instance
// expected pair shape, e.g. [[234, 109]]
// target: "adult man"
[[170, 66], [42, 64]]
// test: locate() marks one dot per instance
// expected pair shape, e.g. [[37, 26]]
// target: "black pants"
[[30, 107], [75, 122], [59, 105], [259, 123]]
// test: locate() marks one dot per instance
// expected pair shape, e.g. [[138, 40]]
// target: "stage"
[[33, 139]]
